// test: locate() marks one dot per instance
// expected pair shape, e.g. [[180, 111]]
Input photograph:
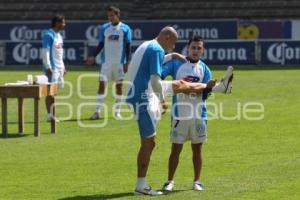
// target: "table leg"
[[53, 119], [4, 116], [36, 117], [21, 115]]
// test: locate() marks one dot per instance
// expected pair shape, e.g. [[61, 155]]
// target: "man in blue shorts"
[[144, 71]]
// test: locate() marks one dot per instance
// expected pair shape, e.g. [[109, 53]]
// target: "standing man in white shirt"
[[115, 43], [52, 54], [190, 115]]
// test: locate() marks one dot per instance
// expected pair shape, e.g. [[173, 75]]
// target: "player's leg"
[[198, 137], [49, 100], [100, 92], [173, 163], [225, 85], [61, 79], [118, 99], [99, 100], [197, 162], [180, 86], [174, 160], [103, 79], [118, 76], [147, 131], [143, 159], [179, 134]]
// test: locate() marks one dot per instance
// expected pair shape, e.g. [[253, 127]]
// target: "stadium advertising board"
[[141, 30], [20, 53], [232, 52], [207, 29], [30, 53], [280, 52], [264, 29], [296, 29]]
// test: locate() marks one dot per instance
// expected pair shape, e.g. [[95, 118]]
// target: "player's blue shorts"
[[145, 120]]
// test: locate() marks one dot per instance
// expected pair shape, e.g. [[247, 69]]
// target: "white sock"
[[99, 102], [49, 115], [118, 106], [141, 183]]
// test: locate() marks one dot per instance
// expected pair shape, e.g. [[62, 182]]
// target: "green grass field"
[[243, 159]]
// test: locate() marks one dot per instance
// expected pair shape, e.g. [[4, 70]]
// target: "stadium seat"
[[147, 9]]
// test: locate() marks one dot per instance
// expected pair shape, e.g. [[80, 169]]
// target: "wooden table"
[[27, 91]]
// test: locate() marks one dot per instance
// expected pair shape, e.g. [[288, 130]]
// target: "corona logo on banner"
[[25, 33], [280, 53], [21, 33], [25, 53], [238, 52], [91, 33]]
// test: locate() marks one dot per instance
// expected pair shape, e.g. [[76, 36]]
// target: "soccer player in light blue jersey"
[[52, 55], [115, 44], [145, 72], [189, 116]]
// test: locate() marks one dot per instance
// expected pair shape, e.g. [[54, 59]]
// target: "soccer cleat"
[[168, 186], [147, 191], [95, 116], [198, 186], [225, 85]]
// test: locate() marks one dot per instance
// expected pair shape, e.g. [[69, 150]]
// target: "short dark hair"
[[114, 9], [57, 18], [196, 38]]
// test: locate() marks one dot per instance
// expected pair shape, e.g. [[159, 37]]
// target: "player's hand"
[[125, 68], [49, 72], [179, 56], [164, 107], [211, 83], [90, 60]]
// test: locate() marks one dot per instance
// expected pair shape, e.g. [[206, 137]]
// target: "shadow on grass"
[[81, 119], [12, 135], [88, 119], [100, 196], [112, 196], [30, 122]]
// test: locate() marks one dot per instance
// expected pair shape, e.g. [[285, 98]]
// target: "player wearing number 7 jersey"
[[189, 116]]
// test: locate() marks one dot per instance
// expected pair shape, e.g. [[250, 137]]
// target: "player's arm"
[[206, 78], [174, 55], [180, 86], [156, 85], [47, 42], [91, 59], [128, 40], [155, 59], [127, 55], [98, 49], [46, 58]]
